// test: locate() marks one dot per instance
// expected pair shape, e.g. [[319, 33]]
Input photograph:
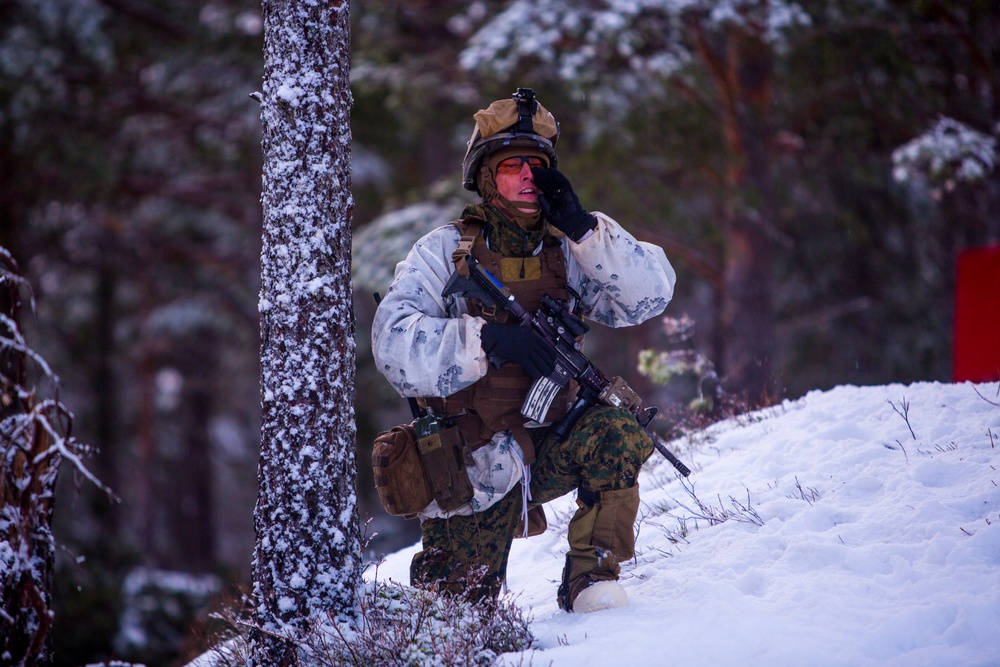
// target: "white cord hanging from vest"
[[525, 496]]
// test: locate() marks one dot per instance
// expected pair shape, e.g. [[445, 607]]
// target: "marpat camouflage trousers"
[[601, 458]]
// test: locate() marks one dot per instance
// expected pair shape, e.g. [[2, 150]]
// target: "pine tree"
[[28, 472], [308, 551], [34, 440]]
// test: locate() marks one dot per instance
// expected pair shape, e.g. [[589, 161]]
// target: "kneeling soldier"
[[439, 350]]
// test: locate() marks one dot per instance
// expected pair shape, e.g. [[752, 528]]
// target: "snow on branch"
[[34, 439], [949, 153], [24, 410], [575, 42], [641, 37]]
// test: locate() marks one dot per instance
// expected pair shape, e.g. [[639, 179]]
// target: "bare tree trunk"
[[104, 382], [146, 481], [308, 558], [743, 74], [190, 518]]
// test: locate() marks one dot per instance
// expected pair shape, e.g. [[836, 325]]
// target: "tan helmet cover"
[[503, 113]]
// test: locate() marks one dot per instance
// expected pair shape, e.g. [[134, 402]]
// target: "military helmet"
[[519, 122]]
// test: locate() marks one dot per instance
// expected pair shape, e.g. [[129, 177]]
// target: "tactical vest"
[[493, 403]]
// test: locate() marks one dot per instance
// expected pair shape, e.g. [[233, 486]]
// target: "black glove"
[[561, 205], [522, 346]]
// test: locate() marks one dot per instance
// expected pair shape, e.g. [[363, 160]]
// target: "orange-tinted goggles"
[[512, 165]]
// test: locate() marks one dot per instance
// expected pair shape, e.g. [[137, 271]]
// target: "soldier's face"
[[516, 182]]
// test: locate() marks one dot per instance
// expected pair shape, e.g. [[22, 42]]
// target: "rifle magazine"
[[539, 399]]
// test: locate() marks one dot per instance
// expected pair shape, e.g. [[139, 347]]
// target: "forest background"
[[813, 170]]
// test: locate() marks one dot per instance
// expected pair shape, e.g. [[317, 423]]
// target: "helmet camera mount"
[[527, 105]]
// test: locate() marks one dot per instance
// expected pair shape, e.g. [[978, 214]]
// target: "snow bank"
[[874, 545]]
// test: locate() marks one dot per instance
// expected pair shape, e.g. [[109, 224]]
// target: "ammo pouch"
[[442, 451], [419, 462]]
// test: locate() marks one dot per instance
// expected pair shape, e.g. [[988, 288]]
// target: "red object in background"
[[977, 316]]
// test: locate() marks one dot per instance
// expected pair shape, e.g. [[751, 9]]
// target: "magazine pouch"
[[442, 452]]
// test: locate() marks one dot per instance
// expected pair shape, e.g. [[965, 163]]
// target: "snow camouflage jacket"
[[427, 345]]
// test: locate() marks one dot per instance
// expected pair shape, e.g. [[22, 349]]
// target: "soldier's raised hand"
[[560, 204]]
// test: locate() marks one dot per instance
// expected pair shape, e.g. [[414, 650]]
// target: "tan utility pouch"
[[443, 455], [402, 484]]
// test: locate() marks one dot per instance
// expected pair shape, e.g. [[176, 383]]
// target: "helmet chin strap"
[[529, 221]]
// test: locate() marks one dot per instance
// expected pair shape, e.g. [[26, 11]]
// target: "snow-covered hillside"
[[863, 529]]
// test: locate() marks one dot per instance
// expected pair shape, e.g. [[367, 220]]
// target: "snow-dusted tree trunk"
[[33, 441], [308, 551], [27, 486]]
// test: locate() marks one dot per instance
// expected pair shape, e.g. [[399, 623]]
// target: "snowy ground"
[[874, 546]]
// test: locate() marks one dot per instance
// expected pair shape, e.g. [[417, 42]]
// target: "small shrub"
[[396, 626]]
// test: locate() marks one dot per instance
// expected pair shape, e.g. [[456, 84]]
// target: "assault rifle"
[[559, 328]]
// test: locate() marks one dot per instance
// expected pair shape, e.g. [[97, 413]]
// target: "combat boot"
[[601, 534]]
